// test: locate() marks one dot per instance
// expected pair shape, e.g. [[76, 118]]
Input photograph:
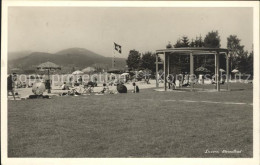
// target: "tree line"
[[239, 58]]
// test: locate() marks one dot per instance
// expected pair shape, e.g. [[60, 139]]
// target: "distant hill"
[[79, 51], [68, 59], [17, 55]]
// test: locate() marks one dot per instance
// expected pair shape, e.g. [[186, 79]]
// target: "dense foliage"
[[239, 58]]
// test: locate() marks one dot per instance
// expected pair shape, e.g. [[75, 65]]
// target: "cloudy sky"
[[51, 29]]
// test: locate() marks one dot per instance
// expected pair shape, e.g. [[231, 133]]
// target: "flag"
[[118, 47]]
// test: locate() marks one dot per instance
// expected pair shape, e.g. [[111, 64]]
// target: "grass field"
[[147, 124]]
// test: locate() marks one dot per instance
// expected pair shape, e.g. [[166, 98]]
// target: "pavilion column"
[[49, 88], [157, 84], [217, 73], [168, 64], [164, 69], [215, 54], [191, 71], [227, 70]]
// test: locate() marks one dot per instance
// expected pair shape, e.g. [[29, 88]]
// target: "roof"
[[48, 65], [194, 50], [88, 70]]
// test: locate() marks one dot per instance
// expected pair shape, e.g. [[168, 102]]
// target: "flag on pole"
[[118, 48]]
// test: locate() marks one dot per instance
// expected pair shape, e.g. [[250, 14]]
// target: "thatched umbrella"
[[48, 66]]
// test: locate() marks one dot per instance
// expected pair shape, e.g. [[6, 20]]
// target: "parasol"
[[235, 71], [124, 74], [78, 72], [202, 69]]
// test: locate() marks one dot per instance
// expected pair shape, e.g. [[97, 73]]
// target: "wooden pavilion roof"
[[194, 50]]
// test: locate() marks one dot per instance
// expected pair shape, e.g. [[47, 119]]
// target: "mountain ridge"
[[69, 59]]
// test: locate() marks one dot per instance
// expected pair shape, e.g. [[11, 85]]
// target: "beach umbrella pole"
[[49, 89]]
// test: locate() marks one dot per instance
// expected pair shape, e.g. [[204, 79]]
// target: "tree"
[[235, 49], [200, 42], [183, 42], [169, 45], [134, 59], [242, 62], [178, 44], [148, 61], [250, 64], [212, 40], [192, 44]]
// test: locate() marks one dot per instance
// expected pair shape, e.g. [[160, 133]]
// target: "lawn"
[[147, 124]]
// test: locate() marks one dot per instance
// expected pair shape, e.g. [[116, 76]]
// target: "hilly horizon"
[[69, 59]]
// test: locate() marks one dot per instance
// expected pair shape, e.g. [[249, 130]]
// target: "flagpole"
[[114, 61], [119, 50], [113, 52]]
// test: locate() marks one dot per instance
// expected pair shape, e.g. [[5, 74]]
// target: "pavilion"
[[192, 51]]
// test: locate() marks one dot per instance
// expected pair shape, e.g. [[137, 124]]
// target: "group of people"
[[184, 80], [88, 88], [180, 80]]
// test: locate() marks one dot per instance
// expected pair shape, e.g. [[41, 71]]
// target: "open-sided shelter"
[[192, 51]]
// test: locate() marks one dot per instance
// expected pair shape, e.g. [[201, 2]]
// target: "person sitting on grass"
[[171, 81], [121, 88], [73, 92], [186, 81], [76, 83], [63, 86], [105, 89], [90, 86]]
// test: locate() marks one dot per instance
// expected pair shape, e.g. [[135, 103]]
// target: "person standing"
[[10, 84], [80, 80], [134, 85]]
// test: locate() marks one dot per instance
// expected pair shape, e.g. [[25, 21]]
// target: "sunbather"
[[105, 89]]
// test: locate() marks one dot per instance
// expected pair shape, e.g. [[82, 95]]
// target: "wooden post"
[[215, 69], [191, 71], [168, 64], [164, 69], [157, 83], [49, 90], [227, 70], [217, 78]]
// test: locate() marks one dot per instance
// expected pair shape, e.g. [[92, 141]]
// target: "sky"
[[51, 29]]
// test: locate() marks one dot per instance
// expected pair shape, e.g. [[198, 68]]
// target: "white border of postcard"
[[144, 161]]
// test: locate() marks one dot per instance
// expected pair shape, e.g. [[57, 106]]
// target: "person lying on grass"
[[72, 92]]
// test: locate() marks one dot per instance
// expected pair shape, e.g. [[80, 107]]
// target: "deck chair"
[[89, 87]]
